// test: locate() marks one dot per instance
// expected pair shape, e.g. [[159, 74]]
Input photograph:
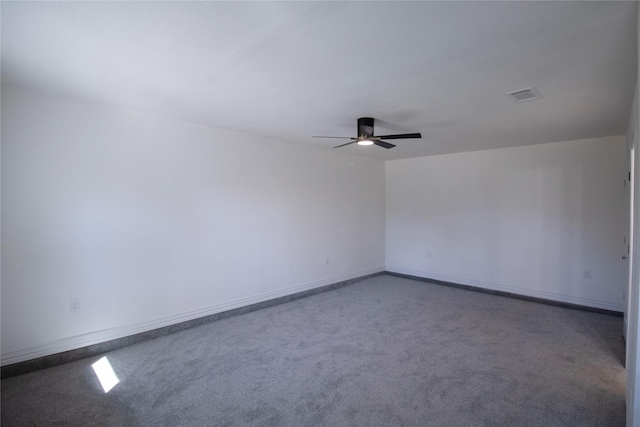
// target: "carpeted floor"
[[382, 352]]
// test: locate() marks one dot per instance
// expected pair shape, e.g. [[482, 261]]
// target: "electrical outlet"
[[74, 304], [587, 274], [326, 261]]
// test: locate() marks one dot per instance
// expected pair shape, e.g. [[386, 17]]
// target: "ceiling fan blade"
[[333, 137], [348, 143], [383, 144], [400, 136]]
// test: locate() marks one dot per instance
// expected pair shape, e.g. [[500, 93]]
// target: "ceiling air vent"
[[522, 95]]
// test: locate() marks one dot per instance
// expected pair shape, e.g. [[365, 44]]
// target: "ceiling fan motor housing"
[[365, 126]]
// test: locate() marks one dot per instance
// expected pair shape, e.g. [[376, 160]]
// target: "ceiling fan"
[[366, 137]]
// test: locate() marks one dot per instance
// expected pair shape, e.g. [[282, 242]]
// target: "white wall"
[[150, 221], [632, 362], [528, 220]]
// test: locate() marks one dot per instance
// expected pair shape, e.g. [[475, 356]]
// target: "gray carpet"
[[382, 352]]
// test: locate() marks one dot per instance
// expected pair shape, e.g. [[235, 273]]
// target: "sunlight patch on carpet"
[[107, 377]]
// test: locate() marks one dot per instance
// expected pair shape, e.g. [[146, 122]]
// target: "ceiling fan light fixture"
[[365, 142]]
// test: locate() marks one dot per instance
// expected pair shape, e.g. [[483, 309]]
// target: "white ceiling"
[[290, 70]]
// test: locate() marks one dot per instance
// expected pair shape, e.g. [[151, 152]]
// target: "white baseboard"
[[97, 337], [588, 302]]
